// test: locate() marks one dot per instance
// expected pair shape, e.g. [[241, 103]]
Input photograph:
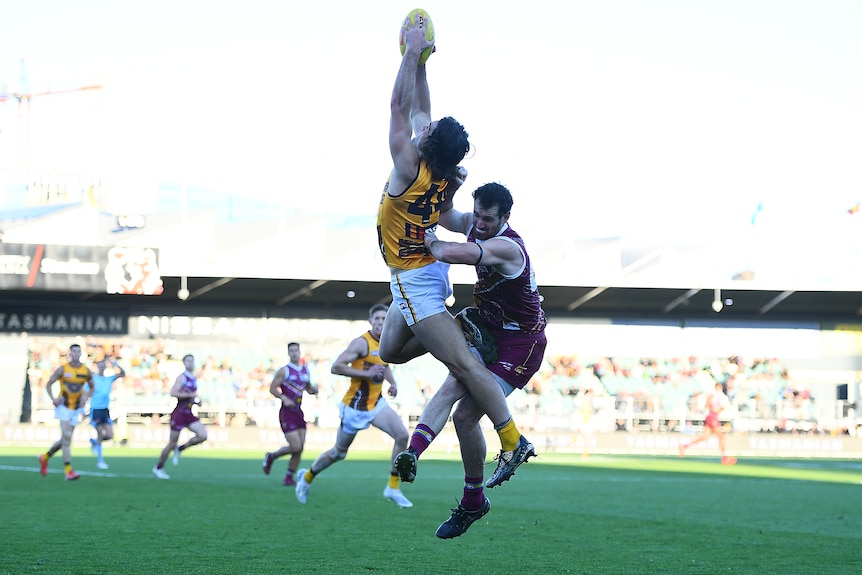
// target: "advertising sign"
[[63, 320], [118, 270]]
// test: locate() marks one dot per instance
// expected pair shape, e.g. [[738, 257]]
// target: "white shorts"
[[63, 413], [353, 420], [422, 292]]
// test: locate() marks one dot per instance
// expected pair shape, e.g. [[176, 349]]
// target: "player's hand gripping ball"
[[425, 21]]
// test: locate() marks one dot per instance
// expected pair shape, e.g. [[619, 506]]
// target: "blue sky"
[[669, 120]]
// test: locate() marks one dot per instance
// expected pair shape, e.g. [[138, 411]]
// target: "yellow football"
[[425, 19]]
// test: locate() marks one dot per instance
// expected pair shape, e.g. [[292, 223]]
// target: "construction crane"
[[24, 118], [47, 186]]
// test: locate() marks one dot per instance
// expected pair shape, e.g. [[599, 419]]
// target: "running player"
[[287, 385], [100, 417], [68, 407], [185, 389], [363, 405], [715, 404]]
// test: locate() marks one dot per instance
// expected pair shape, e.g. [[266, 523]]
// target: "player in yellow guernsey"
[[403, 219], [362, 406], [68, 406], [424, 178], [364, 393]]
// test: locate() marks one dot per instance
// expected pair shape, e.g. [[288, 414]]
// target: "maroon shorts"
[[291, 419], [181, 418], [519, 357], [712, 421]]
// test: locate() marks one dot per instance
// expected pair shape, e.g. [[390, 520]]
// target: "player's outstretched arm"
[[450, 218], [120, 373], [405, 156], [420, 110], [492, 252]]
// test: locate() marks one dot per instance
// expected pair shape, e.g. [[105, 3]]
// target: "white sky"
[[660, 118]]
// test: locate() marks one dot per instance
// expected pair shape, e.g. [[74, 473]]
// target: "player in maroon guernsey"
[[506, 329], [425, 174], [185, 389], [715, 404], [288, 384]]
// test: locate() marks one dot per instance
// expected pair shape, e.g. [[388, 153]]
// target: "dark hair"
[[445, 147], [493, 194], [187, 355], [292, 343], [73, 346], [376, 308]]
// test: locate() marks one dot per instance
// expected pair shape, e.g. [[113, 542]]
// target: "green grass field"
[[560, 514]]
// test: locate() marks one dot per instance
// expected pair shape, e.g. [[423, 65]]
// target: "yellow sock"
[[67, 467], [509, 436], [394, 482], [309, 476]]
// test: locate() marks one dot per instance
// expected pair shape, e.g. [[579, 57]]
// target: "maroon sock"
[[474, 493], [421, 439]]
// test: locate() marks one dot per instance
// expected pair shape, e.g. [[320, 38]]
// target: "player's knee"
[[451, 391], [464, 418], [401, 438], [296, 447], [385, 350], [392, 357], [383, 354], [337, 455], [464, 368]]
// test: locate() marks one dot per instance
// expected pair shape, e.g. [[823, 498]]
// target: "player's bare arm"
[[90, 390], [450, 218], [58, 373], [420, 110], [493, 252], [356, 349], [277, 379], [405, 156], [120, 373], [454, 182], [275, 388], [177, 389], [393, 385]]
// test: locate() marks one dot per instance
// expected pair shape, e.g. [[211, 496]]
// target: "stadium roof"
[[307, 265], [259, 297]]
